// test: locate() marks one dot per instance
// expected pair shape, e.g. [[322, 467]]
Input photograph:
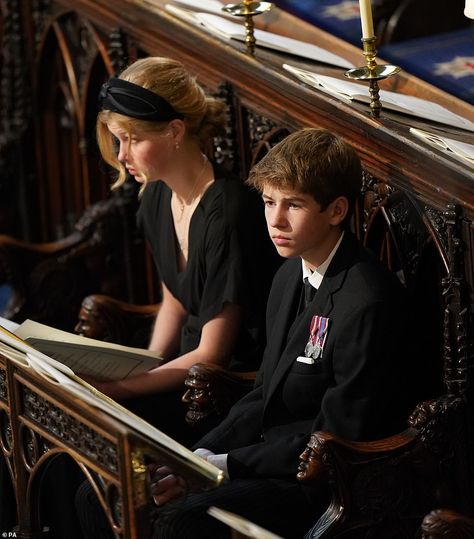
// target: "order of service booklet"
[[90, 357], [227, 29], [400, 103]]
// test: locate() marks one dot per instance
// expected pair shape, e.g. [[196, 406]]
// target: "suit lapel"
[[276, 339], [322, 304]]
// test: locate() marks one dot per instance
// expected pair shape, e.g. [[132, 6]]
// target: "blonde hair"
[[204, 116]]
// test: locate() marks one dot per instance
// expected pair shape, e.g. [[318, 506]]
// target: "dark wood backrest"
[[48, 281], [400, 231]]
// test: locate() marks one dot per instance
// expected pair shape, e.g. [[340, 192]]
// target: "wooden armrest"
[[18, 258], [445, 523], [45, 282], [212, 390], [94, 229], [327, 452], [46, 248], [108, 319], [384, 484]]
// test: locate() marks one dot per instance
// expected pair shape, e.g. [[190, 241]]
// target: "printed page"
[[459, 148], [30, 328], [13, 341], [14, 355], [340, 88], [104, 364], [422, 108], [298, 48], [101, 360], [227, 29], [405, 104], [8, 324]]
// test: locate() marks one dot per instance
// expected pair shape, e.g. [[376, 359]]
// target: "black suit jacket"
[[355, 390]]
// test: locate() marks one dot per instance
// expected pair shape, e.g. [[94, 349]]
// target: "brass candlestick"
[[373, 73], [248, 9]]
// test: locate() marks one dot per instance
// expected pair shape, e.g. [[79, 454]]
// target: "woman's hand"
[[115, 390]]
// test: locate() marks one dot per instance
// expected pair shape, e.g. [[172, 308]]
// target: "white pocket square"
[[303, 359]]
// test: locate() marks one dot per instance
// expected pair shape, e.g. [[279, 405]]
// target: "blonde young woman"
[[205, 229]]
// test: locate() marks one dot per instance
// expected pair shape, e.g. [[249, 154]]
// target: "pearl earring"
[[177, 145]]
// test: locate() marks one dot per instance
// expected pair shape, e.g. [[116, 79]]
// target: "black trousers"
[[166, 412], [282, 507]]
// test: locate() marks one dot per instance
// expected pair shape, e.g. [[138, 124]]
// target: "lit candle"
[[469, 9], [366, 20]]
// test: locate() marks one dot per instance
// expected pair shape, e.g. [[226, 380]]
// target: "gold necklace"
[[193, 195], [182, 223]]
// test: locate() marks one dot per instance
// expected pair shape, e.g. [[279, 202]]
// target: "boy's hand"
[[165, 486]]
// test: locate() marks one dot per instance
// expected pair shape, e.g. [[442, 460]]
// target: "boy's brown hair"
[[311, 161]]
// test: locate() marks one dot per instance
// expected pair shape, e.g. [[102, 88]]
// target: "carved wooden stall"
[[78, 44]]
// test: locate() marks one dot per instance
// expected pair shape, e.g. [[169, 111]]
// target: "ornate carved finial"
[[316, 461], [211, 390], [117, 50]]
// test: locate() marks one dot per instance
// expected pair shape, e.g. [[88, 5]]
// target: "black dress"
[[231, 260]]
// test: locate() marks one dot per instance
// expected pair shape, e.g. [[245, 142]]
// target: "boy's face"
[[298, 227]]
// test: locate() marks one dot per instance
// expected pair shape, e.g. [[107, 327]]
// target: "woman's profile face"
[[146, 153]]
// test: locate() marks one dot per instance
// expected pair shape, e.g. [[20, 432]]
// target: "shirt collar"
[[315, 277]]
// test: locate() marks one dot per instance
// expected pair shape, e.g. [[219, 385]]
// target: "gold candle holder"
[[373, 73], [248, 9]]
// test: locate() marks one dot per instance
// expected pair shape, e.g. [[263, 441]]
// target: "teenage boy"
[[335, 355]]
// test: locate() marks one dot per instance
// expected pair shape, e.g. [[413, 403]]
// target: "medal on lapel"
[[317, 337]]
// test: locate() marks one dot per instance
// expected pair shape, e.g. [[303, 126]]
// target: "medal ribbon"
[[318, 330]]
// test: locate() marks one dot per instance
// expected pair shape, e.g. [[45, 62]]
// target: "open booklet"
[[405, 104], [101, 360], [460, 149], [227, 29], [182, 459]]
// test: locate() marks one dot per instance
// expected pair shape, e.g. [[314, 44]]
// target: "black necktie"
[[309, 292]]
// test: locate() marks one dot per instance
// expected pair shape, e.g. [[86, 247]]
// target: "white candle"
[[366, 20], [469, 9]]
